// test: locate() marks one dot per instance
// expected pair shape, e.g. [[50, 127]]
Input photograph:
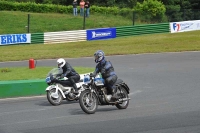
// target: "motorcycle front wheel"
[[88, 102], [52, 100]]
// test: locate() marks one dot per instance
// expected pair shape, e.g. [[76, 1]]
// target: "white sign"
[[101, 34], [15, 39], [184, 26]]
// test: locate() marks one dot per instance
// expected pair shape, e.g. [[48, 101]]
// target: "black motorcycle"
[[96, 93]]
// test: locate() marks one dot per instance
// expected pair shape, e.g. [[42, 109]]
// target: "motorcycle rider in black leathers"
[[107, 71], [70, 73]]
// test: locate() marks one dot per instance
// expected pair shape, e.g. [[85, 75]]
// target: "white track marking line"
[[150, 105], [21, 98], [24, 111], [135, 92], [21, 122]]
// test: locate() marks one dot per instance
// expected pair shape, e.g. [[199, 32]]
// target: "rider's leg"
[[73, 80], [110, 81], [66, 82]]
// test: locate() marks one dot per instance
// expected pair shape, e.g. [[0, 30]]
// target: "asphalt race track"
[[165, 98]]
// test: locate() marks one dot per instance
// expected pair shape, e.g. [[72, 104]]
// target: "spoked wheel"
[[122, 95], [52, 99], [88, 102]]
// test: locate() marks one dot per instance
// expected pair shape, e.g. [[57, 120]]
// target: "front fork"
[[57, 90]]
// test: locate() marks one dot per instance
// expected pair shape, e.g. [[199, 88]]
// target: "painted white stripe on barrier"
[[64, 36]]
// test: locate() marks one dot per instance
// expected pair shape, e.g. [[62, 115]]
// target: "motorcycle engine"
[[102, 98], [104, 90]]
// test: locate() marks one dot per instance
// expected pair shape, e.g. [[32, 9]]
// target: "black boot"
[[71, 79], [114, 97], [76, 89]]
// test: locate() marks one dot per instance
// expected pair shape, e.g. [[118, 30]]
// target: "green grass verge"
[[24, 73]]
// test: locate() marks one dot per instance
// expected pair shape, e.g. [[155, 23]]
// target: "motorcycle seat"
[[119, 81]]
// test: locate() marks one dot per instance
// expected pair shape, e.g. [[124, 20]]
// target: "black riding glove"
[[62, 76]]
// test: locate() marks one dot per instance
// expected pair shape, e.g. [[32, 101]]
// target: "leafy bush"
[[126, 12], [151, 10]]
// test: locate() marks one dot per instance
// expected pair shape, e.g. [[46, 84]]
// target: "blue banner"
[[99, 34]]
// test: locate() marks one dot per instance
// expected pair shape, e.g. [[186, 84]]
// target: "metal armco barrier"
[[142, 29], [37, 38], [64, 36]]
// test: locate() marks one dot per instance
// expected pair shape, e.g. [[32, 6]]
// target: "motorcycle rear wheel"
[[88, 102], [124, 94], [54, 101]]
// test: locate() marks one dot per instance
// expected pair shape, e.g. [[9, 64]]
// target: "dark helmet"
[[99, 56]]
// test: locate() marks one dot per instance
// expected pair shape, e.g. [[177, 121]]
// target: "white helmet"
[[61, 62]]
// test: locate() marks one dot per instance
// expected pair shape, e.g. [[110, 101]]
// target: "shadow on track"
[[64, 102], [80, 111]]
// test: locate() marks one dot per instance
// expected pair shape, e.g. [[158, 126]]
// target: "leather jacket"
[[105, 68], [68, 70]]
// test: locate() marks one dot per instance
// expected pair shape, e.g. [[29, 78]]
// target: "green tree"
[[173, 10], [181, 10], [195, 5], [151, 10]]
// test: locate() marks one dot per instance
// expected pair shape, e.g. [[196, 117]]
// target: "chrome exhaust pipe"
[[123, 99]]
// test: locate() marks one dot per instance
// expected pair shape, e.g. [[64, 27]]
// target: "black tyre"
[[124, 94], [52, 100], [88, 102]]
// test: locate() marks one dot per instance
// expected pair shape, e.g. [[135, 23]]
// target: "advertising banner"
[[15, 39], [184, 26], [99, 34]]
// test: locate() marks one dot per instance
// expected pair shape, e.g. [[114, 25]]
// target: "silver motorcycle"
[[57, 92]]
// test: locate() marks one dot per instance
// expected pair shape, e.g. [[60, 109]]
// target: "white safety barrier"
[[64, 36]]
